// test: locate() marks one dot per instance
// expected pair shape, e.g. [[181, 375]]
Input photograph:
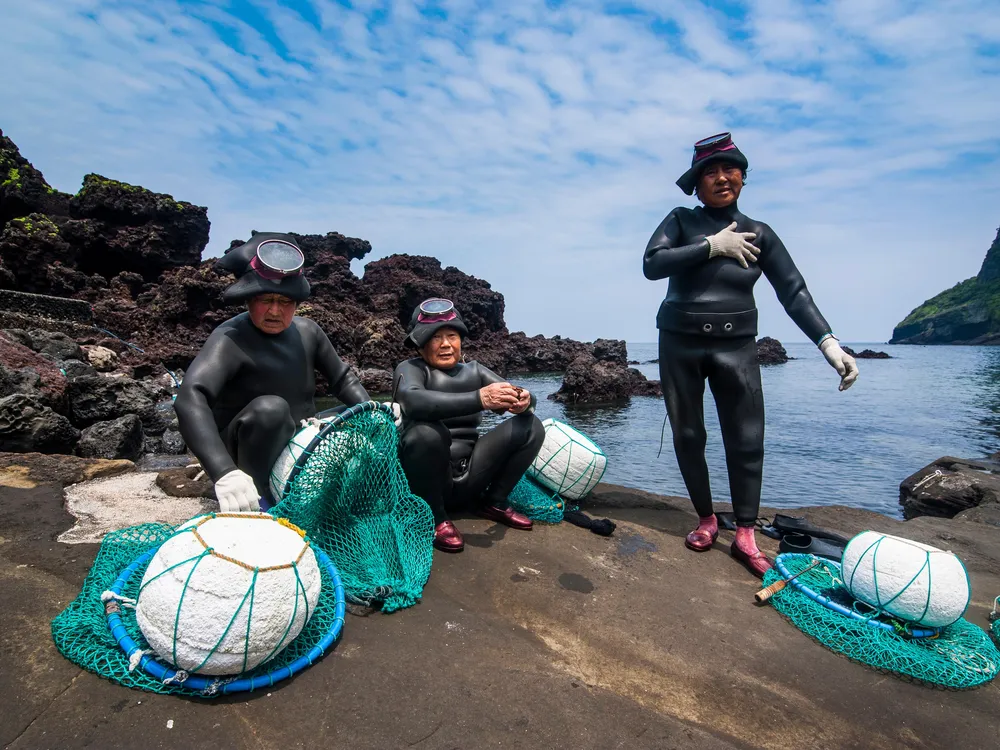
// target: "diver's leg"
[[734, 377], [683, 382], [257, 435], [497, 463], [424, 452]]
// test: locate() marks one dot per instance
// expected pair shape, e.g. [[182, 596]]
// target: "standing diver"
[[713, 256], [442, 399], [254, 380]]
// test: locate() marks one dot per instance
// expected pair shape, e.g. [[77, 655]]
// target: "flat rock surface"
[[554, 638]]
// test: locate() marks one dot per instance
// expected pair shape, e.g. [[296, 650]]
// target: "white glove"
[[733, 245], [237, 493], [841, 361], [397, 413]]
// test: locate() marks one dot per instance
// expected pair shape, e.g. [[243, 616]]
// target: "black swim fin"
[[726, 520], [799, 525], [809, 545]]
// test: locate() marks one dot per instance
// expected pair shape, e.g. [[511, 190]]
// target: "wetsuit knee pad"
[[427, 438], [527, 429], [690, 437]]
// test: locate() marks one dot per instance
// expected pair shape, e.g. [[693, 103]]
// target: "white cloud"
[[870, 128]]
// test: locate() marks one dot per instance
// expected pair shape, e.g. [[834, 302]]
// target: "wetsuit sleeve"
[[488, 377], [215, 365], [666, 253], [780, 270], [422, 405], [344, 384]]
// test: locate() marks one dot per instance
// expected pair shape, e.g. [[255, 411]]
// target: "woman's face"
[[444, 350], [272, 313], [720, 184]]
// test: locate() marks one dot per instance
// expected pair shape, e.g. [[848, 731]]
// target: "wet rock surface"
[[118, 438], [950, 486]]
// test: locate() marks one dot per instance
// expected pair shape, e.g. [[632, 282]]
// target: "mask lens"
[[436, 306], [280, 256]]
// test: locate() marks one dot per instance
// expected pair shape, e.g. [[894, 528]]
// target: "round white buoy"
[[568, 462], [907, 579], [223, 596], [281, 478]]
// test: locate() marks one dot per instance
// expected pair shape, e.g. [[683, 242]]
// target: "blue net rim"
[[331, 423], [840, 609], [210, 685]]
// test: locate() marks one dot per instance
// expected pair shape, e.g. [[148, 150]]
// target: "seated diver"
[[254, 379], [442, 398]]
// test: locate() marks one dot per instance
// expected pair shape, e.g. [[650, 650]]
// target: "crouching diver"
[[442, 399], [254, 380], [713, 256]]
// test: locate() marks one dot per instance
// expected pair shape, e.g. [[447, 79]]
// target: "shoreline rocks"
[[771, 352], [866, 353], [950, 486]]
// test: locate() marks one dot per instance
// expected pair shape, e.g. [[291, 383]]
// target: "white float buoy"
[[569, 462], [909, 580], [227, 592]]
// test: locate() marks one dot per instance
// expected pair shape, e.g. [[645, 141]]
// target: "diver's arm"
[[664, 254], [488, 377], [789, 286], [422, 405], [344, 384], [215, 364]]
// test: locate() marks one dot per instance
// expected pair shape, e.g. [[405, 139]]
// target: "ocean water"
[[821, 446]]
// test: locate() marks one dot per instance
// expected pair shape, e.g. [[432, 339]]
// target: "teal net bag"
[[536, 502], [348, 491], [958, 656], [349, 497]]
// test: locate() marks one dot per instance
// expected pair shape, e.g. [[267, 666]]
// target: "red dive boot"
[[704, 536], [447, 538], [508, 517], [745, 550]]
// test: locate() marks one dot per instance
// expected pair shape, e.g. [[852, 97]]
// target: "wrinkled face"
[[272, 313], [720, 184], [444, 350]]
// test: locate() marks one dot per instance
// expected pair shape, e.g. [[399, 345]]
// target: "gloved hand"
[[397, 413], [841, 361], [237, 493], [734, 245]]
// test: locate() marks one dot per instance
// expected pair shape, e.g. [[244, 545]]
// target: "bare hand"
[[523, 402], [498, 397]]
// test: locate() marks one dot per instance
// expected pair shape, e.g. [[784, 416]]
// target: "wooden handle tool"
[[766, 593]]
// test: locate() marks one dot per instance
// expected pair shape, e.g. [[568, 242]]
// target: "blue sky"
[[536, 144]]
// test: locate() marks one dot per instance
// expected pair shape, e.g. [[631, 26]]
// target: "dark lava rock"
[[74, 368], [101, 399], [770, 351], [64, 468], [50, 384], [182, 483], [376, 381], [172, 443], [23, 190], [611, 350], [949, 486], [118, 438], [28, 425], [592, 381], [865, 353], [55, 345], [39, 258]]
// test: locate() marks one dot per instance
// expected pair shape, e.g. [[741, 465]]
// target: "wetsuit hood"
[[419, 333], [719, 150], [251, 282]]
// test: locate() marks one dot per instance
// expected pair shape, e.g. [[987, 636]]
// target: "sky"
[[536, 144]]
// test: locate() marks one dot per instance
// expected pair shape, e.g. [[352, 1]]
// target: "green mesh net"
[[961, 656], [351, 498], [81, 630], [537, 503]]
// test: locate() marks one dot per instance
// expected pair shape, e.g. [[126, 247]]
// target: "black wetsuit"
[[708, 329], [246, 392], [446, 462]]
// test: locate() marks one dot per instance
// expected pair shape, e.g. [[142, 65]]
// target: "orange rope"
[[262, 517]]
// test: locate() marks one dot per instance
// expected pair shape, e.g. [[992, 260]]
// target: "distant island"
[[968, 313]]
